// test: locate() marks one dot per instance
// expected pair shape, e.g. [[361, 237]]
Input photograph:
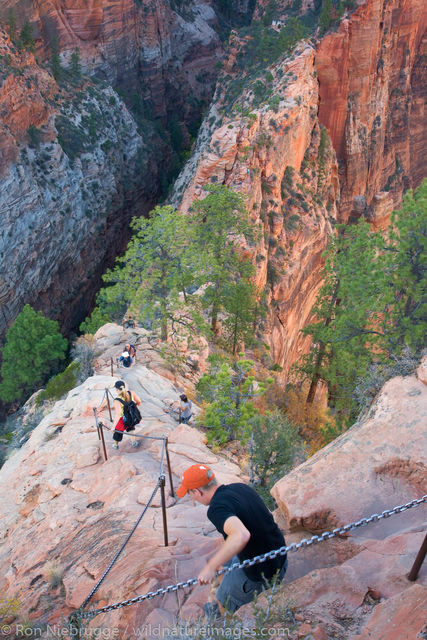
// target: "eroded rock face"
[[376, 465], [372, 100], [363, 84], [279, 158], [69, 166], [68, 205]]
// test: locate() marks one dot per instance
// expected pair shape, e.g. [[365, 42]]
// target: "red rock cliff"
[[363, 84], [372, 102]]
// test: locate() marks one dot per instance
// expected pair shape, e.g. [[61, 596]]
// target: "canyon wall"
[[330, 133], [73, 170], [274, 155], [372, 90], [75, 163], [338, 135]]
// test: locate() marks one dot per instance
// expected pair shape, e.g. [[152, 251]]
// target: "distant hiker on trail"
[[131, 349], [185, 409], [128, 322], [126, 413], [248, 528], [125, 359]]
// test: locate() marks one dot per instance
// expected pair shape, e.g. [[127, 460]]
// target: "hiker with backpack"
[[131, 349], [125, 359], [126, 413]]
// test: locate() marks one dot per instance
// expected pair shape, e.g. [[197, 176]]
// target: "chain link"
[[270, 555], [114, 560]]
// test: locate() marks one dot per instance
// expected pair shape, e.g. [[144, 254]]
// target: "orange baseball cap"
[[195, 477]]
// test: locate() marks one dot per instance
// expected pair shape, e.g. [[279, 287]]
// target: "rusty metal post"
[[112, 369], [165, 522], [99, 426], [107, 395], [169, 468], [103, 441], [413, 574]]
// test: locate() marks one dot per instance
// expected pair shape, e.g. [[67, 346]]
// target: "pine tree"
[[407, 257], [55, 60], [26, 36], [325, 18], [33, 348], [11, 25], [221, 226], [155, 270], [372, 306], [229, 390], [349, 314], [240, 307], [75, 67]]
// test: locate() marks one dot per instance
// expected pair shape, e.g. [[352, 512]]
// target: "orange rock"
[[363, 100]]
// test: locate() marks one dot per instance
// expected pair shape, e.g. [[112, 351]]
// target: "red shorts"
[[120, 426]]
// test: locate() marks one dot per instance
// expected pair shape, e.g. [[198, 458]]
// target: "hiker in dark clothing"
[[248, 528], [125, 396], [131, 349], [125, 359]]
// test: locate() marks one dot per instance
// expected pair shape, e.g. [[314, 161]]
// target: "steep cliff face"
[[75, 165], [372, 101], [156, 47], [280, 158], [350, 128], [69, 169]]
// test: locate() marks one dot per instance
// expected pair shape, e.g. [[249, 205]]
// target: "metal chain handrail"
[[114, 560], [270, 555], [133, 435]]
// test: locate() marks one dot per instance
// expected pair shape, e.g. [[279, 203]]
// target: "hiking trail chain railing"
[[160, 484], [79, 615]]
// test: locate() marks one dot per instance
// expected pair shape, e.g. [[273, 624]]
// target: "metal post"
[[103, 441], [111, 363], [108, 404], [413, 574], [169, 468], [165, 522], [99, 426]]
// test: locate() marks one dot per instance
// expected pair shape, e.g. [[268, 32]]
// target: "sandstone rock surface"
[[376, 465], [371, 100], [66, 511]]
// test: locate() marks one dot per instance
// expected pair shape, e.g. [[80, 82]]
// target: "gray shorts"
[[236, 589]]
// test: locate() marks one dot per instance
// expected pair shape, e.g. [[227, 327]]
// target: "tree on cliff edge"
[[222, 224], [33, 349], [153, 275], [372, 305]]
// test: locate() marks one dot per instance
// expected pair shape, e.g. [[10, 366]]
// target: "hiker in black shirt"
[[248, 528]]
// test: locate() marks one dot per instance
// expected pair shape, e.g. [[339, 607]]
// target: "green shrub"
[[60, 384], [275, 444], [33, 349], [229, 390], [72, 139]]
